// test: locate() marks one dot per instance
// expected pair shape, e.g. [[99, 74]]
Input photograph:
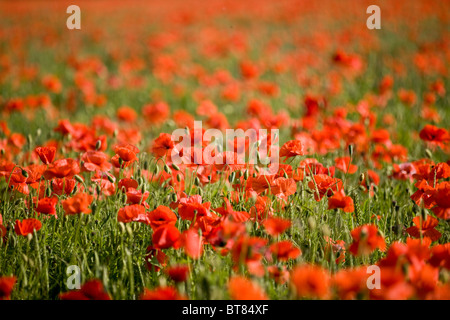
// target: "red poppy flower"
[[127, 152], [178, 273], [136, 196], [325, 184], [285, 250], [425, 228], [276, 226], [351, 282], [64, 186], [163, 145], [46, 154], [310, 281], [27, 226], [165, 237], [338, 248], [91, 290], [366, 239], [441, 197], [134, 212], [6, 287], [340, 201], [153, 253], [435, 135], [47, 206], [127, 183], [95, 161], [161, 293], [192, 243], [292, 148], [344, 165], [162, 215], [440, 256], [79, 203], [127, 114], [241, 288], [64, 168]]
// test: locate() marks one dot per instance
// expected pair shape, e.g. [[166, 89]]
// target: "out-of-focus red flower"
[[6, 287], [435, 135], [276, 226], [178, 273], [27, 226], [285, 250], [91, 290], [192, 243], [366, 238], [426, 228], [343, 164], [79, 203], [310, 281], [337, 247], [126, 114], [241, 288], [161, 293]]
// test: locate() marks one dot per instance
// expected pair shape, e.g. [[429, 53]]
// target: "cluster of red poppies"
[[331, 149]]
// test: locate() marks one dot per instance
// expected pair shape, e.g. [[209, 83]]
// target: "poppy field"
[[353, 204]]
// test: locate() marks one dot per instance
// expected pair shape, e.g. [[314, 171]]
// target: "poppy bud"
[[29, 139], [173, 197], [78, 178], [38, 132], [312, 223], [156, 170], [286, 175], [254, 175], [361, 177], [326, 230], [428, 153], [120, 161], [115, 133], [167, 169], [350, 150], [197, 181], [48, 192], [145, 165], [75, 189], [209, 177], [98, 145], [24, 173], [179, 177], [175, 167], [257, 169], [110, 178], [246, 174], [82, 163], [231, 177], [2, 151]]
